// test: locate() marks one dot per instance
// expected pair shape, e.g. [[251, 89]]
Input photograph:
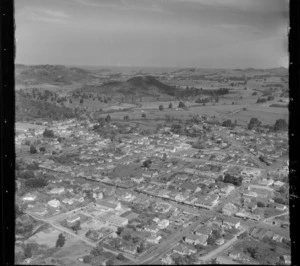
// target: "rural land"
[[142, 166]]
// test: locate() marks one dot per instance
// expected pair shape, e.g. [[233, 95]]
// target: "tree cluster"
[[237, 181], [254, 122], [280, 125], [36, 182], [60, 242]]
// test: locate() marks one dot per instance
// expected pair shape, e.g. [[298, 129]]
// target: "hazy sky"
[[200, 33]]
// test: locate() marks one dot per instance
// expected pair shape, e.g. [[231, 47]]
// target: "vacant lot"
[[46, 237]]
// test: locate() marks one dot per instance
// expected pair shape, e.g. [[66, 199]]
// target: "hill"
[[29, 109], [50, 74], [140, 85]]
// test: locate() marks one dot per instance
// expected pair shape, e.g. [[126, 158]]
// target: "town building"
[[54, 203]]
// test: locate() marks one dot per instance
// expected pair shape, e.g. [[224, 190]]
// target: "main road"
[[220, 249]]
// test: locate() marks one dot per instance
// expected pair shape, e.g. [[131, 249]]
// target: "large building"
[[108, 205]]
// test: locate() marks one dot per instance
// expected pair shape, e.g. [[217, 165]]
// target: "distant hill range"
[[50, 74], [140, 85]]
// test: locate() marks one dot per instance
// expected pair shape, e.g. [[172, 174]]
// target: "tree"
[[280, 125], [170, 106], [211, 240], [176, 128], [161, 107], [25, 174], [216, 234], [110, 262], [81, 101], [42, 149], [179, 260], [143, 115], [254, 122], [76, 226], [120, 230], [33, 149], [87, 259], [227, 123], [126, 117], [48, 133], [181, 105], [243, 235], [121, 257], [279, 200], [108, 119], [252, 251], [261, 204], [60, 242], [96, 251], [36, 182], [140, 248], [27, 252], [147, 163]]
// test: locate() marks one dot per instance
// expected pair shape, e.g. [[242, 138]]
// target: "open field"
[[46, 237]]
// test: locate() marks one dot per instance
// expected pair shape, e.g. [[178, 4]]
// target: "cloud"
[[125, 5], [44, 14]]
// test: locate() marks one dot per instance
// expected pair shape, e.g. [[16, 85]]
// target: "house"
[[202, 240], [287, 259], [156, 219], [152, 229], [250, 194], [252, 206], [220, 241], [227, 190], [229, 209], [277, 238], [191, 239], [232, 222], [234, 254], [79, 198], [39, 210], [98, 195], [203, 231], [54, 203], [154, 239], [280, 207], [163, 224], [71, 220], [29, 197], [117, 220], [68, 201], [129, 249], [57, 190], [278, 184], [184, 250], [167, 260], [108, 205], [266, 182], [196, 239]]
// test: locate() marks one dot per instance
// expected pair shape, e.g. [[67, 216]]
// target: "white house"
[[29, 197], [57, 190], [54, 203], [163, 224]]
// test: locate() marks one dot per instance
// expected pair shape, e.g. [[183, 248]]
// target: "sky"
[[153, 33]]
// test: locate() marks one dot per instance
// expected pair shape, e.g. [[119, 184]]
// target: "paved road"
[[210, 161], [220, 249], [164, 247], [270, 218]]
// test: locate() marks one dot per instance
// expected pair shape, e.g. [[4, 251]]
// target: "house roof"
[[107, 204], [204, 230]]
